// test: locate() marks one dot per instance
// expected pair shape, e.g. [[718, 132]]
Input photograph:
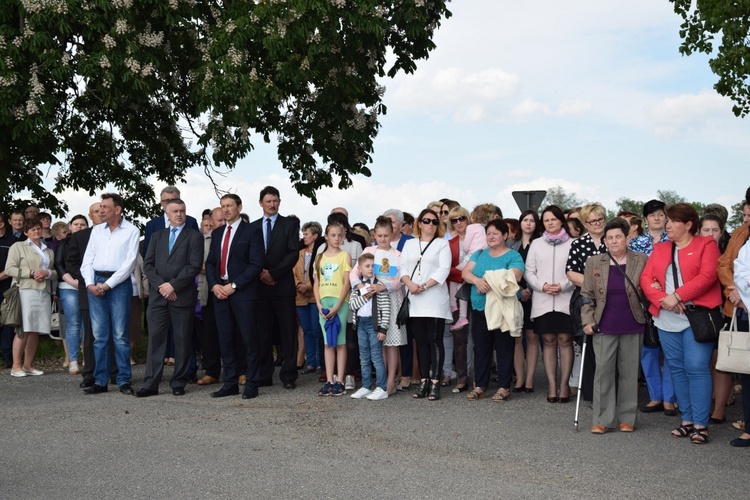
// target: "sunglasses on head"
[[434, 222], [458, 219]]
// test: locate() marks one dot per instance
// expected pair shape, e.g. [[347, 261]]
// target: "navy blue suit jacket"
[[280, 258], [157, 224], [244, 262]]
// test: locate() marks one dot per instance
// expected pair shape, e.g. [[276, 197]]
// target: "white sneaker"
[[19, 373], [378, 394], [73, 369], [349, 383], [33, 371], [362, 392]]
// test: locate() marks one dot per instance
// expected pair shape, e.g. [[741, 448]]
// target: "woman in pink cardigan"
[[696, 259]]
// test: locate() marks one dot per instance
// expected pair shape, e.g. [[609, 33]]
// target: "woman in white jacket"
[[425, 264], [545, 274]]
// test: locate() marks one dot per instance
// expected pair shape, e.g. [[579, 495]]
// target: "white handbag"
[[734, 349]]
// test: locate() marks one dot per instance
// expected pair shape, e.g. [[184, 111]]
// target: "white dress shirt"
[[111, 251]]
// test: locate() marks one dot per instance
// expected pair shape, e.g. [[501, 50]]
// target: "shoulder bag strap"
[[635, 289], [418, 262], [674, 267]]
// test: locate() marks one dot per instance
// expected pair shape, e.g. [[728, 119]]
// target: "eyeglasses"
[[444, 212], [596, 222], [456, 220], [434, 222]]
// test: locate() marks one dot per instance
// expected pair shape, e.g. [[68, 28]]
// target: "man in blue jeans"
[[106, 268]]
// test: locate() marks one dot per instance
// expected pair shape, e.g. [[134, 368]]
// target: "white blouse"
[[435, 264]]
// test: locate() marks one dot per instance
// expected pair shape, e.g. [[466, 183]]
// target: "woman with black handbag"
[[614, 318], [425, 264], [679, 279]]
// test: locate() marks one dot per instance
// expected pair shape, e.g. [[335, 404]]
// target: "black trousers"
[[430, 350], [272, 313], [484, 342], [208, 340]]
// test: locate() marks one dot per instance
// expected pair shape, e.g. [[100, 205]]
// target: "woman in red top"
[[696, 259]]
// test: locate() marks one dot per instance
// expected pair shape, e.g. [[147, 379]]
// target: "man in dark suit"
[[161, 222], [76, 248], [232, 268], [275, 298], [173, 260]]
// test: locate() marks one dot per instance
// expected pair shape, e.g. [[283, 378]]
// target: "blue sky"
[[592, 96]]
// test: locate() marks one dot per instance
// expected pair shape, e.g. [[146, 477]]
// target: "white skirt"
[[36, 310]]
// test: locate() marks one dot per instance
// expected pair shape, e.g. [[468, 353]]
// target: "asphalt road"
[[59, 443]]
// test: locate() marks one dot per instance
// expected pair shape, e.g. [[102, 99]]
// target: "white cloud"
[[463, 94], [674, 115]]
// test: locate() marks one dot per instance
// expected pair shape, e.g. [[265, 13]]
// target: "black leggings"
[[428, 333]]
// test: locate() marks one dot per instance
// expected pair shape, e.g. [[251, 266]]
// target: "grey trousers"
[[617, 356]]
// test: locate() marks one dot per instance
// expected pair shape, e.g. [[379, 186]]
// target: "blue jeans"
[[370, 351], [659, 382], [308, 318], [689, 363], [110, 318], [73, 325]]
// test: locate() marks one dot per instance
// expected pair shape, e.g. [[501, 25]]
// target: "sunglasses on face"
[[444, 212], [434, 222], [456, 220]]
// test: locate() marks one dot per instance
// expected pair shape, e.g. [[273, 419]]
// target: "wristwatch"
[[234, 286]]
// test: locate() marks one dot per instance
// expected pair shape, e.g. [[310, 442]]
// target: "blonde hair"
[[589, 208], [455, 212], [57, 226]]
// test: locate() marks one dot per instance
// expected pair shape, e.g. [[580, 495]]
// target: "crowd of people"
[[454, 298]]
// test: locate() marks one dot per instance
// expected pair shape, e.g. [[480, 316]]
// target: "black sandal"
[[683, 431], [424, 388], [699, 436], [434, 392]]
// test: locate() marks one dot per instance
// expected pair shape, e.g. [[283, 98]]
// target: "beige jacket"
[[502, 309], [596, 280], [23, 258]]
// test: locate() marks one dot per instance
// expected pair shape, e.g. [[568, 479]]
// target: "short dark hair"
[[44, 215], [206, 213], [269, 190], [684, 212], [79, 216], [408, 218], [498, 224], [116, 199], [618, 223], [232, 196], [361, 225], [558, 213], [652, 206], [31, 223]]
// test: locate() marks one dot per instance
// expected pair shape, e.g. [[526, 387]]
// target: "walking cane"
[[580, 375]]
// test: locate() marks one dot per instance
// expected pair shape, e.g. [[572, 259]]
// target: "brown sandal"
[[501, 395], [476, 393]]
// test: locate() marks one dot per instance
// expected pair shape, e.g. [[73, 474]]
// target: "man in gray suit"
[[173, 260]]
